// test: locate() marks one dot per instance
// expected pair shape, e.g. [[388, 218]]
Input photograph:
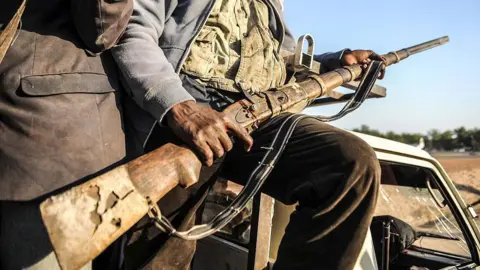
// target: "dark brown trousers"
[[332, 174]]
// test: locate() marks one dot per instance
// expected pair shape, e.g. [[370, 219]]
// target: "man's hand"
[[362, 57], [206, 130]]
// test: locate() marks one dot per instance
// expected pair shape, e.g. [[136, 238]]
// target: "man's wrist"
[[331, 61], [342, 56], [176, 110]]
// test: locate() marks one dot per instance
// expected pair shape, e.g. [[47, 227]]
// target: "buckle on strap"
[[156, 216]]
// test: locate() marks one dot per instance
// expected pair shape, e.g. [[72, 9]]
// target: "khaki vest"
[[236, 50]]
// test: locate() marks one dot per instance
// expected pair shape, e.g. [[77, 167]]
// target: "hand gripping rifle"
[[85, 220]]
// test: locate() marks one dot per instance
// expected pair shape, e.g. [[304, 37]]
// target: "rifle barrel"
[[396, 56], [427, 45], [331, 80]]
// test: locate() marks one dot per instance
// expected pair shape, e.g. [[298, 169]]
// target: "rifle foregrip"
[[85, 220]]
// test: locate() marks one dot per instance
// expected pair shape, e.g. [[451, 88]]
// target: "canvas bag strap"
[[7, 35]]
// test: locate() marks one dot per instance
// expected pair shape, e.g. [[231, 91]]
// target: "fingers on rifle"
[[216, 147], [381, 75], [375, 56], [205, 151], [241, 133], [366, 61], [225, 141]]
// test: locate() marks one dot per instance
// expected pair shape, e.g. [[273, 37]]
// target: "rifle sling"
[[364, 88]]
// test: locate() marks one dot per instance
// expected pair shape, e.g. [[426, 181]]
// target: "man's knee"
[[360, 159], [341, 149], [357, 150], [353, 170]]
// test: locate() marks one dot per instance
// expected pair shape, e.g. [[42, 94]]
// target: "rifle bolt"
[[253, 108]]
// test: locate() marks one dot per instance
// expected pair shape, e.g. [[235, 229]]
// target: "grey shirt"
[[156, 43]]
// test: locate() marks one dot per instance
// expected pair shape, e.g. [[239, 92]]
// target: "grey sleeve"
[[330, 61], [149, 77]]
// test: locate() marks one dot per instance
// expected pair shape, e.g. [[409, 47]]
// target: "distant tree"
[[367, 130], [476, 139], [474, 143], [394, 136], [447, 140], [446, 135], [411, 138], [428, 143], [463, 137], [434, 134], [434, 139]]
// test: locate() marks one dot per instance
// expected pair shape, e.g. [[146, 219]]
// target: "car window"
[[404, 195]]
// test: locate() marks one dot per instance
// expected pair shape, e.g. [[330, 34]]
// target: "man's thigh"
[[313, 160]]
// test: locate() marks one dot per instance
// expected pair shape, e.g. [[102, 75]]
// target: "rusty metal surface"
[[396, 56], [336, 97]]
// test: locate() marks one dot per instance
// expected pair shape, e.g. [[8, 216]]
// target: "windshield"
[[465, 173], [404, 194]]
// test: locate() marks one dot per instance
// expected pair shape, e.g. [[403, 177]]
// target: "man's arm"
[[149, 76], [157, 88], [330, 61], [100, 23]]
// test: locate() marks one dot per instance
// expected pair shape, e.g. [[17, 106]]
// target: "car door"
[[417, 192]]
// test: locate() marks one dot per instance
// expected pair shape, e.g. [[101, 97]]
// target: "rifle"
[[85, 220], [10, 33]]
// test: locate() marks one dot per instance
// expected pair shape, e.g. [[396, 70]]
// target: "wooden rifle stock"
[[85, 220]]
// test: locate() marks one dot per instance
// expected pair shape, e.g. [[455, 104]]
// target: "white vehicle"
[[415, 190]]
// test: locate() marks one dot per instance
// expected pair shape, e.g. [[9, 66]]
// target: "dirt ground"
[[465, 173]]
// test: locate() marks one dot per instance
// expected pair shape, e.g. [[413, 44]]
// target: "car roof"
[[382, 144]]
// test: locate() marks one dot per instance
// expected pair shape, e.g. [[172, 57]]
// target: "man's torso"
[[236, 50]]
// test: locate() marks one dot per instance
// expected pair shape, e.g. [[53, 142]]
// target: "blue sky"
[[434, 89]]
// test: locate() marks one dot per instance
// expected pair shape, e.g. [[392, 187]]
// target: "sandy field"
[[465, 173]]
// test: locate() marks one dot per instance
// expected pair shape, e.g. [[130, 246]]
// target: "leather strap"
[[363, 90], [7, 35]]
